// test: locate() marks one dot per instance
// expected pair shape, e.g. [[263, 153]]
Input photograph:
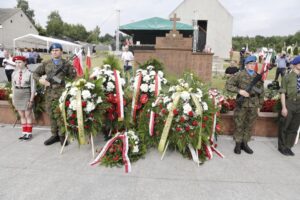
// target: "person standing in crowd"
[[8, 64], [281, 62], [246, 113], [54, 88], [23, 90], [1, 56], [242, 58], [290, 112], [127, 58], [231, 70]]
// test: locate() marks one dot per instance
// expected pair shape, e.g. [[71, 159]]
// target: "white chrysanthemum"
[[110, 86], [73, 104], [160, 74], [152, 73], [68, 85], [166, 99], [112, 78], [186, 85], [146, 78], [204, 105], [90, 106], [90, 85], [73, 91], [150, 67], [151, 88], [169, 106], [122, 80], [144, 72], [106, 67], [199, 92], [99, 100], [185, 96], [187, 108], [172, 89], [86, 94], [135, 149], [144, 87], [164, 81]]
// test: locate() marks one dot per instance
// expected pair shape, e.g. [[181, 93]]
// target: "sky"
[[250, 18]]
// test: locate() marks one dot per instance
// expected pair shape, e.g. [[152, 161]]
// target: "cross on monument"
[[174, 19]]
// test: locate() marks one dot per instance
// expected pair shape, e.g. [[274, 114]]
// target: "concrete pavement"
[[30, 170]]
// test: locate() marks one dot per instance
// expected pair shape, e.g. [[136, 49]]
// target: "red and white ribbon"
[[208, 152], [119, 91], [136, 92], [125, 157], [152, 118]]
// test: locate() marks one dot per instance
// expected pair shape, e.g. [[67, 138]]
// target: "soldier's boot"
[[289, 152], [246, 148], [62, 139], [52, 140], [237, 148]]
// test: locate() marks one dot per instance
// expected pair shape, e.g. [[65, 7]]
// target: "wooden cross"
[[174, 19]]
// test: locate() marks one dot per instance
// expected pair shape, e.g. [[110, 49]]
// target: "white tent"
[[42, 42]]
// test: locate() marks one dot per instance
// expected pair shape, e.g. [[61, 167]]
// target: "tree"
[[94, 36], [296, 51], [24, 6], [41, 30], [55, 25]]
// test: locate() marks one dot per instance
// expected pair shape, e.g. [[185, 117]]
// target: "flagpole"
[[117, 32]]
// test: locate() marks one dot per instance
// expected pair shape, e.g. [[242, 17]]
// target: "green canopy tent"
[[147, 30]]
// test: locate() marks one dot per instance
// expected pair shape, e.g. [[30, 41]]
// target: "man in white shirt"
[[127, 58], [8, 65]]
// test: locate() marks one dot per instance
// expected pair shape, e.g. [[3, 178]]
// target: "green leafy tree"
[[41, 30], [75, 32], [94, 36], [24, 6], [296, 51], [55, 25]]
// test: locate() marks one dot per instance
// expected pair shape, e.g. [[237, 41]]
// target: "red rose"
[[83, 104], [195, 123], [164, 111], [205, 118], [187, 128], [144, 98], [73, 115], [182, 119], [175, 112], [191, 114], [72, 122], [67, 103]]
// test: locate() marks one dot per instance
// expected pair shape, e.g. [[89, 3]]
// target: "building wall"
[[15, 26], [178, 61], [219, 25]]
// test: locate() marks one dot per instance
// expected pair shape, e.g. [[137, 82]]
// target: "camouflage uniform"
[[288, 125], [54, 91], [245, 116]]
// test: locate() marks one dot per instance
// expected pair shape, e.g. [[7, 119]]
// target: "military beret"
[[250, 59], [55, 46], [296, 60], [19, 58]]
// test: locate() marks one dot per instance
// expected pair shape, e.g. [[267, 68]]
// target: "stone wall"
[[177, 61]]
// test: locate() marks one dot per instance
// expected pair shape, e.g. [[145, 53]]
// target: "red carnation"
[[205, 118], [83, 104], [67, 103], [191, 114], [175, 112], [187, 128], [144, 98], [195, 123], [182, 119], [73, 115]]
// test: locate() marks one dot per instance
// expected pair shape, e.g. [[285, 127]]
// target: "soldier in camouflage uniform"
[[55, 88], [290, 113], [245, 114]]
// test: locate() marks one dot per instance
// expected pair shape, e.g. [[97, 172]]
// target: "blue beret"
[[250, 59], [55, 46], [296, 60]]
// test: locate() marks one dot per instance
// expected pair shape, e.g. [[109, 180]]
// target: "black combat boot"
[[62, 139], [283, 151], [237, 148], [289, 151], [246, 148], [52, 140]]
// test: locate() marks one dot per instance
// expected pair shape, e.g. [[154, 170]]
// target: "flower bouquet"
[[81, 106], [185, 120], [122, 149]]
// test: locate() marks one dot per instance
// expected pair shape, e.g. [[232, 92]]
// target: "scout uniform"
[[246, 114], [54, 91], [288, 126]]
